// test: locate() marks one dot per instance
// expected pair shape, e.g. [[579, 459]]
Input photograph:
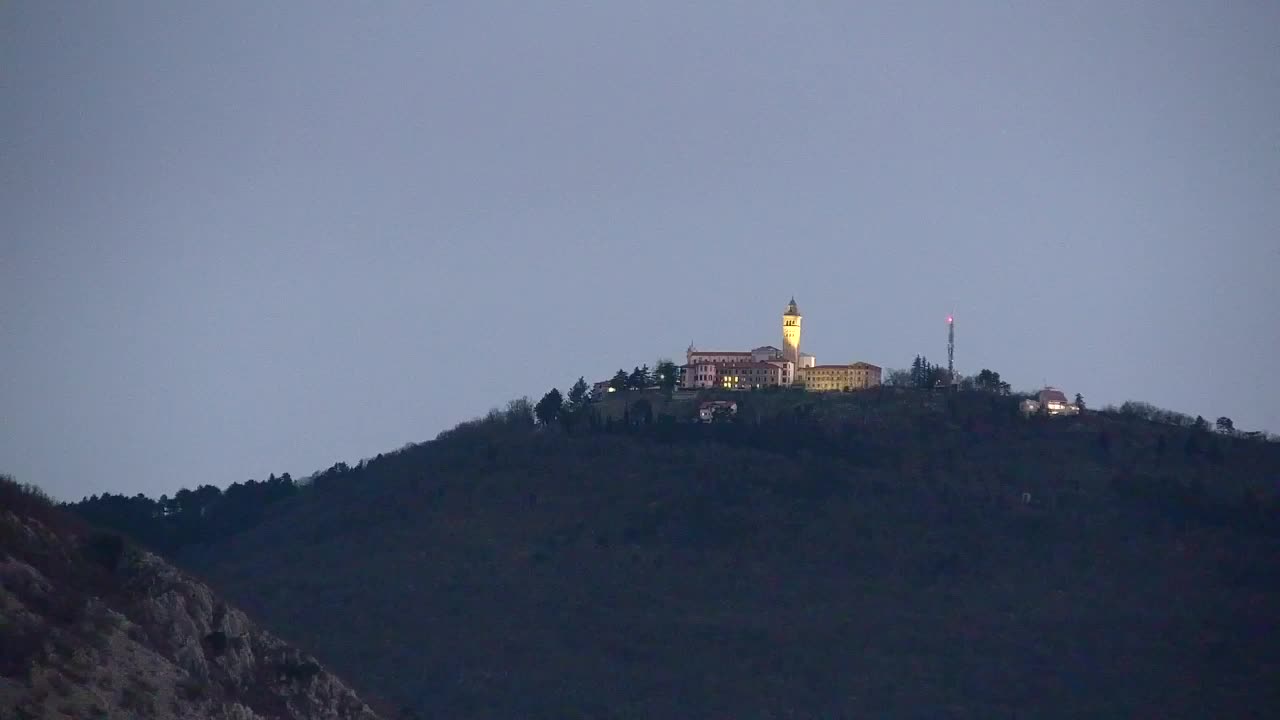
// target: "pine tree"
[[578, 394], [639, 379], [619, 381], [548, 408]]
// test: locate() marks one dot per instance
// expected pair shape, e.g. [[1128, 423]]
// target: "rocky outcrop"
[[93, 628]]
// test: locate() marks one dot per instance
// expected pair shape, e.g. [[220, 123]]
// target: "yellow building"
[[769, 366], [751, 375], [854, 376], [791, 333]]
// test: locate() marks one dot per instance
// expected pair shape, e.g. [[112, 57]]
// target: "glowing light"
[[948, 318]]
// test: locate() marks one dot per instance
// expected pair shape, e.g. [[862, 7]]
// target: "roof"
[[855, 365], [695, 353], [765, 347], [765, 365], [792, 308], [1052, 395], [863, 365]]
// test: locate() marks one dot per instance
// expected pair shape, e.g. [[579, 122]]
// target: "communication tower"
[[951, 350]]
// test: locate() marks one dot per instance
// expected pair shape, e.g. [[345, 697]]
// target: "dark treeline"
[[888, 429], [190, 516]]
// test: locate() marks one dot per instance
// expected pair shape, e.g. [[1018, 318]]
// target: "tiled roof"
[[696, 353], [1052, 395]]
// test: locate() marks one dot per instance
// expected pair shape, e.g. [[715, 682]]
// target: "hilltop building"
[[1050, 401], [768, 366], [854, 376]]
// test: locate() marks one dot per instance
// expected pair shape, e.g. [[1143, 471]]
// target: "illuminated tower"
[[791, 333]]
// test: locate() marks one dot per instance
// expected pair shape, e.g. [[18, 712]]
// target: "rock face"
[[93, 628]]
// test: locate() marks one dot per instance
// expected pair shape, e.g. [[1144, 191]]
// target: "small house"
[[712, 409]]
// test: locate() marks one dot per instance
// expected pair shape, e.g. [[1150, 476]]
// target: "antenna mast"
[[951, 350]]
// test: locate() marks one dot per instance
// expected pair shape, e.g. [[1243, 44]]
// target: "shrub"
[[105, 549], [217, 642]]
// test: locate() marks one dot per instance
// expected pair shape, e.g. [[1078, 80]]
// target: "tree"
[[548, 408], [518, 412], [578, 394], [1080, 402], [1225, 426], [935, 376], [639, 379], [619, 381], [919, 371], [898, 378], [1200, 424], [923, 374], [666, 374], [989, 380]]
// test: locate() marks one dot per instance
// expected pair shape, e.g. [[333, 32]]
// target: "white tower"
[[791, 333]]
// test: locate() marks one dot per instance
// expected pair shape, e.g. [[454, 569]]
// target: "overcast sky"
[[239, 238]]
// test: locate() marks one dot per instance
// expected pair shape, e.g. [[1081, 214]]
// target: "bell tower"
[[791, 333]]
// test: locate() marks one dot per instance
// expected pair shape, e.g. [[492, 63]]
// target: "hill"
[[885, 553], [91, 627]]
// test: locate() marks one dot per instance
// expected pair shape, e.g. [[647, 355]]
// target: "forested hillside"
[[886, 553], [93, 627]]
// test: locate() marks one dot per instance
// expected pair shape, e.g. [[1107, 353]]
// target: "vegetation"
[[926, 375], [190, 516], [80, 574], [547, 411], [620, 380], [990, 381], [92, 627], [886, 552]]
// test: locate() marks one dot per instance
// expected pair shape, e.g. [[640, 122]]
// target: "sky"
[[242, 238]]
